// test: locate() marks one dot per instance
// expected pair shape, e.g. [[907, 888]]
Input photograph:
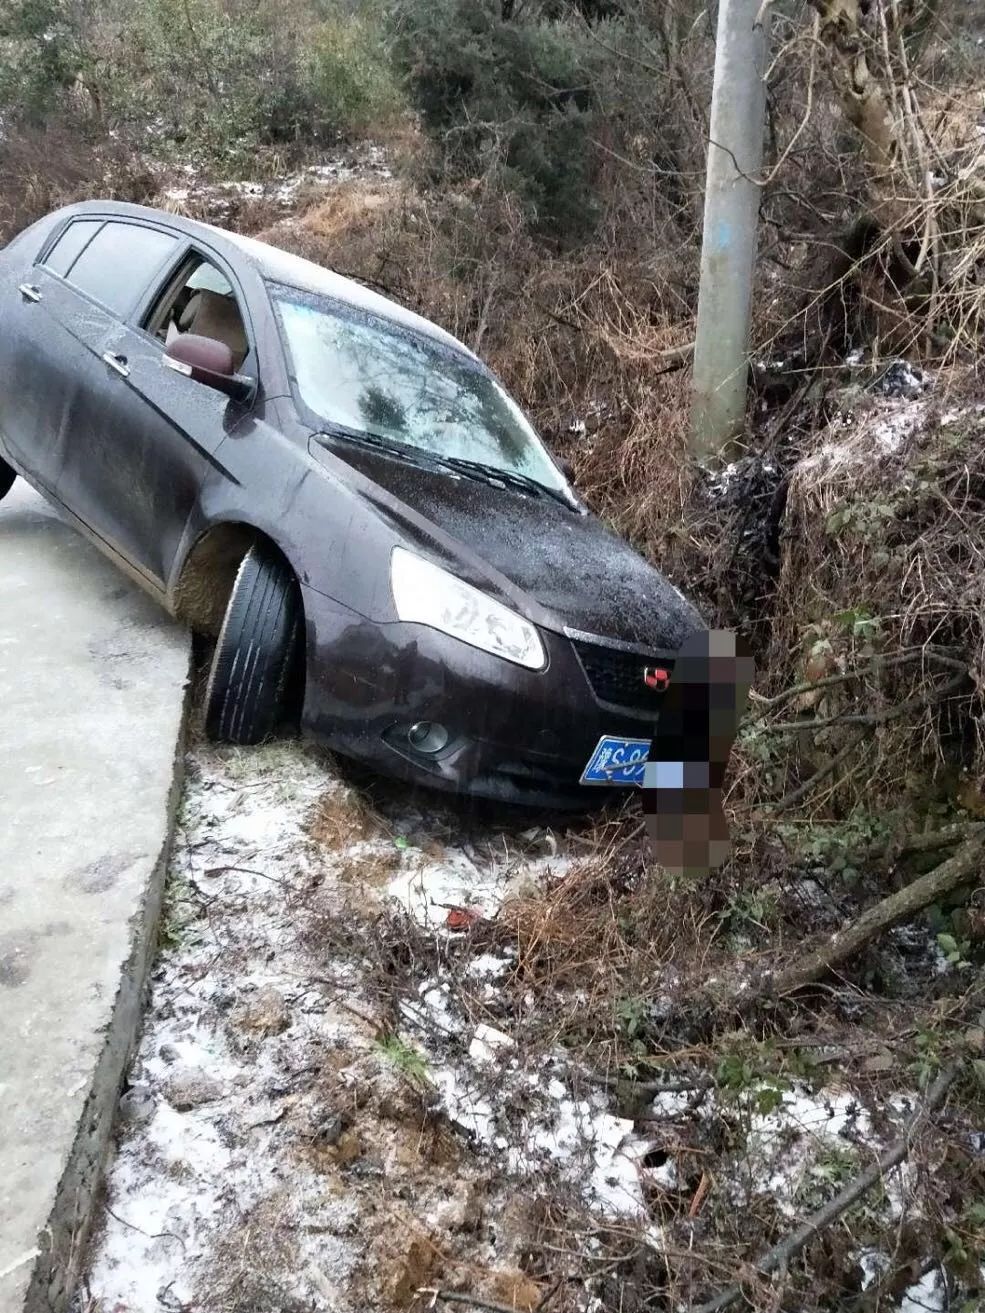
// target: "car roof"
[[281, 267]]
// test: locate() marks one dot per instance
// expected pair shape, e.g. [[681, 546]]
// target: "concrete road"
[[92, 693]]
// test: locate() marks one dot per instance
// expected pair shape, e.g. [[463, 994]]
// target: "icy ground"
[[191, 193], [270, 1132], [284, 1143]]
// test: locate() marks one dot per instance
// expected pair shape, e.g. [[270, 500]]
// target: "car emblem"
[[656, 677]]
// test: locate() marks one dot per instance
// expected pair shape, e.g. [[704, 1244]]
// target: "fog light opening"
[[427, 736]]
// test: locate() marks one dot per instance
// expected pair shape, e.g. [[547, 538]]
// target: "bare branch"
[[899, 907], [472, 1301], [779, 1255]]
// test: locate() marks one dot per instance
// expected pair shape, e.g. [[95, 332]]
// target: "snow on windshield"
[[357, 371]]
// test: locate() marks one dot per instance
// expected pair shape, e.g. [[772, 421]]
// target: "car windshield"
[[363, 374]]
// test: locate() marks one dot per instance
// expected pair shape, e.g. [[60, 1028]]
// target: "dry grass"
[[349, 207], [374, 870], [882, 557], [43, 168], [252, 1264], [343, 817]]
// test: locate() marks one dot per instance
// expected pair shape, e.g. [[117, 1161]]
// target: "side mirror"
[[209, 361]]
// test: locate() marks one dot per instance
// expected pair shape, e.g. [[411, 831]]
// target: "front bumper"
[[515, 735]]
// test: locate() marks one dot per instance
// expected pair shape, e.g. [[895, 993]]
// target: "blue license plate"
[[617, 761]]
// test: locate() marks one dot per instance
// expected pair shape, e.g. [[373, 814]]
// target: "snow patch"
[[488, 1043], [182, 1178], [928, 1295], [427, 891], [882, 431], [894, 427], [531, 1120], [218, 198]]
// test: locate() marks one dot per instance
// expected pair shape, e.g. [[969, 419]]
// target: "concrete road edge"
[[58, 1265]]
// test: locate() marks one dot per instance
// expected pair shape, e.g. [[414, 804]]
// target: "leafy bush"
[[40, 55], [348, 76], [516, 97], [197, 76], [210, 80]]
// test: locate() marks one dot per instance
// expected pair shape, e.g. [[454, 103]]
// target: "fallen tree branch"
[[873, 668], [885, 915], [684, 1086], [871, 719], [453, 1297], [926, 841], [682, 352], [822, 773], [780, 1254]]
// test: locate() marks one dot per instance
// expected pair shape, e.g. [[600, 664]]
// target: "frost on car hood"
[[583, 576]]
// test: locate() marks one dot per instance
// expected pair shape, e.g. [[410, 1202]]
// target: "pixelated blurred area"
[[699, 721]]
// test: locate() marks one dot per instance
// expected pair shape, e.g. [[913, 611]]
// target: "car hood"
[[579, 575]]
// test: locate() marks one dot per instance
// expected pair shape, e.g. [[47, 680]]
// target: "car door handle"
[[119, 363], [29, 292]]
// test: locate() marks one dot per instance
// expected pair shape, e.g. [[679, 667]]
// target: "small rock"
[[137, 1105], [516, 1289], [901, 379], [450, 1215], [411, 1270], [462, 1212], [168, 1053], [330, 1128], [879, 1062], [348, 1147], [191, 1088], [266, 1013], [263, 1114], [488, 1043], [372, 1082]]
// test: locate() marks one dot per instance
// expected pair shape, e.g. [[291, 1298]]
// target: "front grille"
[[618, 677]]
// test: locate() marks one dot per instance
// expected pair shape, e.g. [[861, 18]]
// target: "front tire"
[[248, 690], [7, 477]]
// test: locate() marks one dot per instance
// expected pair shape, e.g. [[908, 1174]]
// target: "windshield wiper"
[[475, 469], [403, 450], [509, 478]]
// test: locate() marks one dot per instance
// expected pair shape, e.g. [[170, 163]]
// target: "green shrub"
[[204, 80], [210, 80], [348, 76], [40, 56], [234, 77], [517, 98]]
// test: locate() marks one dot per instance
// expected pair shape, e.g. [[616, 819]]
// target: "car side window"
[[119, 262], [199, 299], [70, 245]]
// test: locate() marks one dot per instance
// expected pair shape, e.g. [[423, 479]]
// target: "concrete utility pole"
[[728, 252]]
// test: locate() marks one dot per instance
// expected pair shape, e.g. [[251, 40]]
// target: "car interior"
[[200, 299]]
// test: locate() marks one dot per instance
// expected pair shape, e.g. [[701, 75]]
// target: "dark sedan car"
[[342, 494]]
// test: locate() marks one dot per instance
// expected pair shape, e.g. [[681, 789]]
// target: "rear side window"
[[71, 244], [119, 262]]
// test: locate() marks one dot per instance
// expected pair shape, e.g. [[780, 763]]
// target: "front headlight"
[[425, 594]]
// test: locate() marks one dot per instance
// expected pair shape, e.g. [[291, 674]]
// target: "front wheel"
[[7, 477], [248, 690]]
